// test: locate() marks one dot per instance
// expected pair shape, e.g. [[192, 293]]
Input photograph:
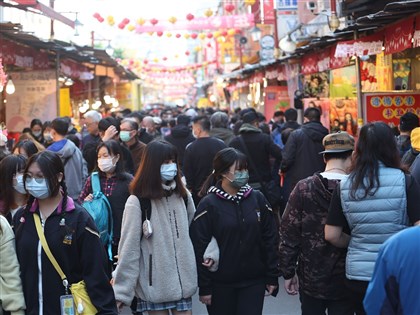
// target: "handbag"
[[78, 290], [270, 189]]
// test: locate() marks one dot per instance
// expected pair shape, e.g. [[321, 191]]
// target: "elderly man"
[[92, 119]]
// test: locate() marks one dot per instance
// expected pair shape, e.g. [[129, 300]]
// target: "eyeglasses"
[[38, 179]]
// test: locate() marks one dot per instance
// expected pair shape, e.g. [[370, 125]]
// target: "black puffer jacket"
[[180, 136], [247, 236]]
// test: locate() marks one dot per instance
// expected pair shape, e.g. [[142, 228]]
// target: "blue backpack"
[[100, 211]]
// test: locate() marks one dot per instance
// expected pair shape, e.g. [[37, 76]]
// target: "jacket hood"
[[249, 128], [180, 131], [323, 189], [67, 150], [222, 133], [243, 193], [315, 130]]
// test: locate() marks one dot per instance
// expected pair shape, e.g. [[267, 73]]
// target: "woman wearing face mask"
[[158, 266], [114, 184], [244, 227], [36, 130], [13, 195], [72, 238]]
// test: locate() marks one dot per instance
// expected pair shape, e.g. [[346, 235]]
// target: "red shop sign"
[[398, 36], [389, 107], [309, 64]]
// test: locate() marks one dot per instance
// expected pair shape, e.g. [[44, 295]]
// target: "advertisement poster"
[[343, 82], [323, 104], [276, 98], [316, 85], [35, 97], [390, 107], [343, 115]]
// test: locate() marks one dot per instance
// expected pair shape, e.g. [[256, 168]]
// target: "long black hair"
[[9, 166], [222, 162], [27, 145], [376, 145]]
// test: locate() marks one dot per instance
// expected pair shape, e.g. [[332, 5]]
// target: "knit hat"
[[249, 118], [415, 139], [183, 120], [409, 121], [337, 142]]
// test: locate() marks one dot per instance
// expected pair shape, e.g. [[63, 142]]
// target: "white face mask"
[[36, 133], [106, 165], [38, 188], [168, 171], [19, 187], [47, 136]]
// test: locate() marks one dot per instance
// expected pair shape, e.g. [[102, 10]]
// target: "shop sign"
[[276, 98], [310, 64], [389, 107], [369, 45], [398, 36]]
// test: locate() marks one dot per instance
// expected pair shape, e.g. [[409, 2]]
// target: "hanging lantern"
[[208, 13], [229, 7], [216, 34], [224, 33], [110, 20], [154, 21], [190, 17], [145, 61], [121, 26], [101, 19], [141, 21], [169, 34], [194, 35], [150, 33], [165, 58], [186, 35], [178, 35], [125, 21], [202, 36], [238, 31], [176, 56], [187, 53], [131, 27], [155, 60], [197, 48], [96, 15], [172, 19], [209, 45], [209, 35], [159, 33]]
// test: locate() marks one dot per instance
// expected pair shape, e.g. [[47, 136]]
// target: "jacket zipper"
[[176, 260], [150, 269]]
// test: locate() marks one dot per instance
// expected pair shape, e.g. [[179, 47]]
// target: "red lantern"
[[145, 61], [164, 58], [209, 45], [101, 19], [96, 15], [229, 7], [187, 53], [154, 21], [125, 21], [190, 17], [178, 35], [121, 26], [209, 35], [238, 31], [224, 33], [159, 33], [194, 35]]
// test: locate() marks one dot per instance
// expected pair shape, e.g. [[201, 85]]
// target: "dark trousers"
[[314, 306], [237, 301], [357, 291]]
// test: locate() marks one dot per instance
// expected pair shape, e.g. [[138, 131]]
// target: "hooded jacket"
[[180, 137], [224, 134], [245, 230], [75, 167], [301, 156]]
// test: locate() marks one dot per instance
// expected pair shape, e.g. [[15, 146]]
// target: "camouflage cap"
[[337, 142]]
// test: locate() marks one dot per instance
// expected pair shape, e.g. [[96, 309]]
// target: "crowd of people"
[[220, 202]]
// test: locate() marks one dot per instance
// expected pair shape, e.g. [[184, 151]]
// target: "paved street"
[[283, 304]]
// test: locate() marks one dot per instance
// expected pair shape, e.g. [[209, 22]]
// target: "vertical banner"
[[384, 72], [276, 98], [35, 97], [65, 105]]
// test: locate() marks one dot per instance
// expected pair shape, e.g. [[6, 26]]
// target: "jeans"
[[315, 306]]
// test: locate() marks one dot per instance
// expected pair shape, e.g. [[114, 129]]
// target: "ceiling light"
[[287, 45], [10, 87]]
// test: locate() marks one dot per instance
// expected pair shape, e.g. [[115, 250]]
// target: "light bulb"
[[10, 87]]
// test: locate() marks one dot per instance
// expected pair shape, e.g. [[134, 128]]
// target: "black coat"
[[77, 249], [301, 156], [247, 236], [180, 137]]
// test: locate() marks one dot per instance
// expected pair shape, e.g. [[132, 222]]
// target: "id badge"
[[67, 305]]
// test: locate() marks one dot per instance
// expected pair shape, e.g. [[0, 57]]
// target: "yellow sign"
[[65, 104]]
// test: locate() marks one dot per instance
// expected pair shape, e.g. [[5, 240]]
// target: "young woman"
[[159, 266], [376, 201], [114, 185], [71, 235], [13, 195], [36, 130], [244, 227], [25, 147]]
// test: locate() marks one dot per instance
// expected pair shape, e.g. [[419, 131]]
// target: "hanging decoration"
[[178, 35], [154, 21], [110, 20], [249, 2], [190, 17], [172, 19], [208, 13], [229, 7], [3, 76]]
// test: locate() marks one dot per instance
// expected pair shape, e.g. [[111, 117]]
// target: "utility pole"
[[52, 21]]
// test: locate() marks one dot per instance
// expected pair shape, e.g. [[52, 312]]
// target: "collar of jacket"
[[243, 193], [69, 205], [249, 128]]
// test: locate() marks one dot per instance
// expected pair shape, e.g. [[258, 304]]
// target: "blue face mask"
[[168, 171]]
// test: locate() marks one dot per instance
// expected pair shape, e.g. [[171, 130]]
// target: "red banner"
[[369, 45], [309, 64], [22, 56], [398, 36], [389, 107], [268, 6]]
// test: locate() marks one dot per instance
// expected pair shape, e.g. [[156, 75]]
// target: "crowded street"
[[220, 157]]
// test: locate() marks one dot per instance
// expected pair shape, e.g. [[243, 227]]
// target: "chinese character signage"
[[389, 107]]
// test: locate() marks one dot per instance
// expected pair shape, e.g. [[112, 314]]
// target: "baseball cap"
[[415, 139], [337, 142]]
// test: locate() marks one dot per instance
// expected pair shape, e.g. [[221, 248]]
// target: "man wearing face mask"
[[75, 167], [199, 155], [129, 136]]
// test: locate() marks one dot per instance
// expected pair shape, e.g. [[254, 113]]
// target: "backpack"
[[100, 211]]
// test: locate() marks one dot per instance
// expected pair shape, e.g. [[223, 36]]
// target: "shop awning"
[[39, 8]]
